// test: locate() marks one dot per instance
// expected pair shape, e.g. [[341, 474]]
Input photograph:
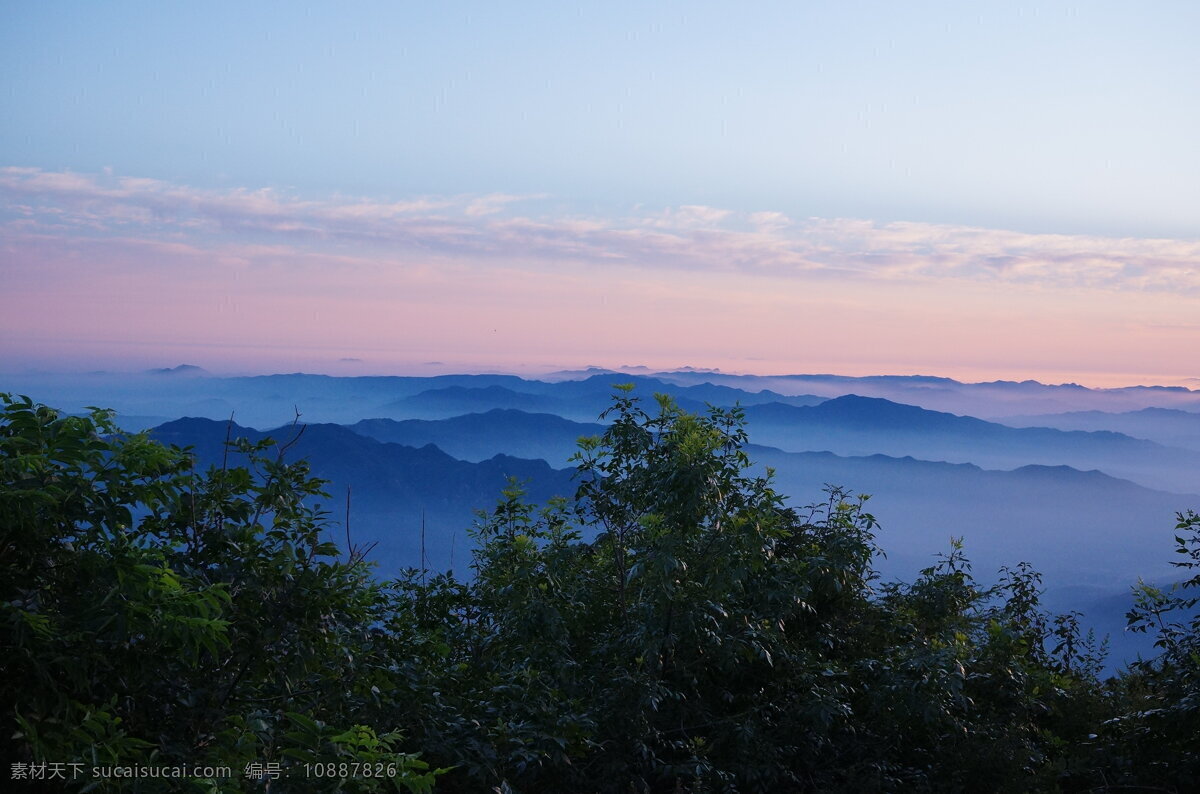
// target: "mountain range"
[[1091, 534], [854, 425], [392, 489], [1168, 426], [1082, 482], [271, 400]]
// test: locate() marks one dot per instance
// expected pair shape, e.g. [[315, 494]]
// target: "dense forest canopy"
[[673, 626]]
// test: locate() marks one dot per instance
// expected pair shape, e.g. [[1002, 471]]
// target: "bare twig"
[[228, 434], [349, 546], [299, 431]]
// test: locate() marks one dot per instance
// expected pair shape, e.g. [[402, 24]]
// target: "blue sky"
[[1038, 116], [1075, 119]]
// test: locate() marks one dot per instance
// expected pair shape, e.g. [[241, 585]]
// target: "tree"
[[154, 616], [1154, 737], [677, 627]]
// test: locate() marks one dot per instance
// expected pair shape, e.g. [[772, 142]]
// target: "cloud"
[[770, 221], [477, 230], [491, 204]]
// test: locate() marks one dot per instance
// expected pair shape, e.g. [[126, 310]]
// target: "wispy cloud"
[[476, 230]]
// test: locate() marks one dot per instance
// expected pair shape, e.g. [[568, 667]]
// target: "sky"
[[979, 190]]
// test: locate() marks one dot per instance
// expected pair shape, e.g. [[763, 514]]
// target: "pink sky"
[[112, 271]]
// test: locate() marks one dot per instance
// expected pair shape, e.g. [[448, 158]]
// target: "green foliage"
[[676, 626], [151, 615], [1154, 739]]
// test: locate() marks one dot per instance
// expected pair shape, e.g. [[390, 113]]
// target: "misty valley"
[[1081, 483], [428, 551]]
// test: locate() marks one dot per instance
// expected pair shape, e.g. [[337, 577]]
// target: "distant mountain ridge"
[[478, 436], [1079, 527], [393, 487], [182, 369], [855, 425], [989, 399], [455, 400], [580, 400], [1084, 528], [1168, 426], [268, 400], [393, 483]]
